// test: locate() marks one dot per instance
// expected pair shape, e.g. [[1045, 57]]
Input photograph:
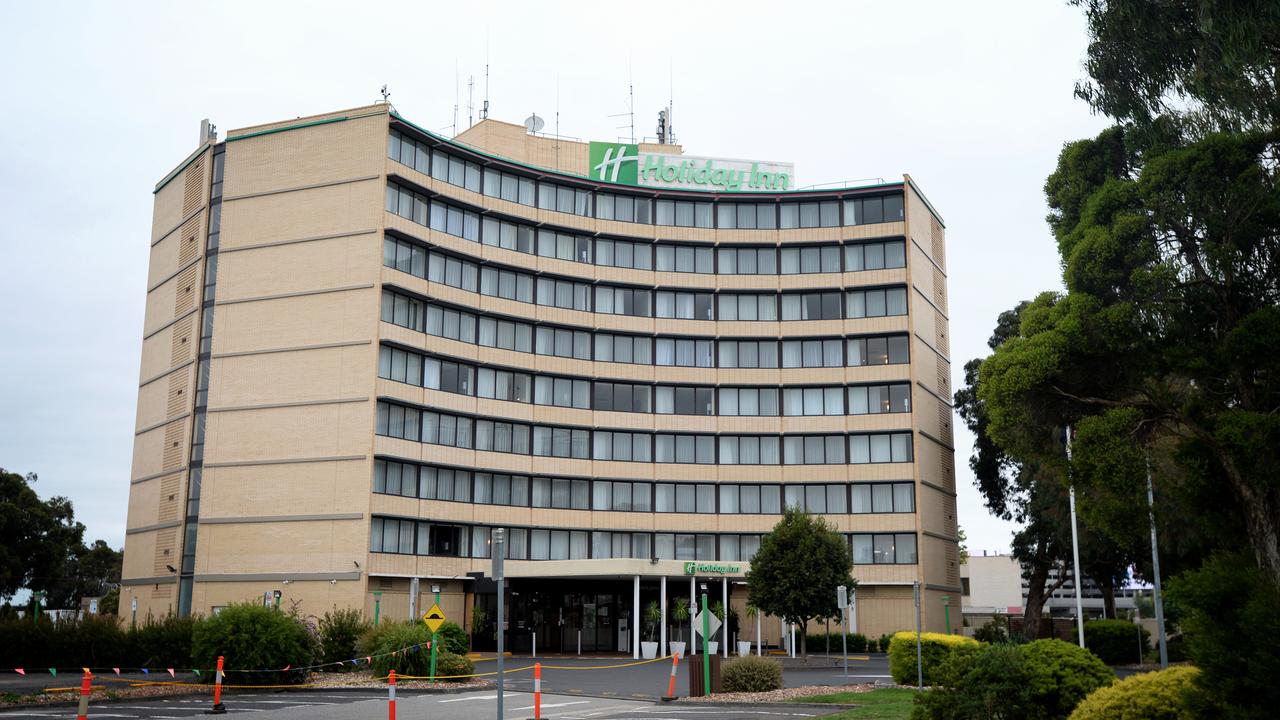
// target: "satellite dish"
[[533, 123]]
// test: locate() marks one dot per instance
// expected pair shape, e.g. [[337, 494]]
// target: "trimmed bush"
[[1061, 674], [817, 642], [1163, 695], [454, 639], [99, 641], [453, 668], [253, 637], [1116, 641], [751, 674], [389, 637], [935, 648], [880, 645], [340, 630], [979, 683]]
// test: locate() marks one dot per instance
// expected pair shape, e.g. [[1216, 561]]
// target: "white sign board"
[[712, 626]]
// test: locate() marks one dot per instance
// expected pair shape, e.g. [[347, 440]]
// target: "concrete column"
[[724, 626], [693, 608], [635, 618], [662, 603]]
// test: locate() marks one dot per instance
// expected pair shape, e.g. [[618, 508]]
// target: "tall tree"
[[795, 573], [36, 536], [1215, 65], [88, 572]]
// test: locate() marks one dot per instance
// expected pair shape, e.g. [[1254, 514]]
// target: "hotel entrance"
[[567, 616]]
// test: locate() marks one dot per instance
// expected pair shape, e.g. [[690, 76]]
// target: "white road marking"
[[551, 705]]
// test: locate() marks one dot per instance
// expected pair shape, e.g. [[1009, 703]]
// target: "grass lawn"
[[882, 704]]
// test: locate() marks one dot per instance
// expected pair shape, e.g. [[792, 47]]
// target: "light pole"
[[435, 637], [1155, 562], [377, 606], [1078, 581], [919, 649], [499, 553], [706, 651]]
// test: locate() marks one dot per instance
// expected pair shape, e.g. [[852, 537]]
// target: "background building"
[[994, 584], [367, 346]]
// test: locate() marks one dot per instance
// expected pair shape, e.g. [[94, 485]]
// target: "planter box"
[[648, 650], [677, 646], [744, 648]]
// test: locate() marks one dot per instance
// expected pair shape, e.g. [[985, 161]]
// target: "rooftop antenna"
[[484, 111], [534, 124], [631, 108], [557, 121], [471, 93], [386, 94], [671, 103]]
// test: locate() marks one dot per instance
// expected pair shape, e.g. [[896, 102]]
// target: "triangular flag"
[[85, 669], [20, 671], [53, 672], [368, 659], [170, 672], [286, 667], [117, 670], [146, 671], [196, 671]]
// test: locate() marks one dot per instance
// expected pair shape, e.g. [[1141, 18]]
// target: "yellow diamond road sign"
[[434, 618]]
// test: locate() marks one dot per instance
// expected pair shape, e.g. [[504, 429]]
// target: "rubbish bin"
[[695, 675]]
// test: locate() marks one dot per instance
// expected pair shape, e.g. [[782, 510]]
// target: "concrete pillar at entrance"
[[693, 611], [635, 619], [724, 626], [662, 604]]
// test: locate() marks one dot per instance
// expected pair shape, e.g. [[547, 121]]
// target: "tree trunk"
[[1036, 598], [1261, 518], [1108, 598], [804, 637]]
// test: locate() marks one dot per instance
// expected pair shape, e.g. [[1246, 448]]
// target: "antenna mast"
[[471, 93], [455, 96]]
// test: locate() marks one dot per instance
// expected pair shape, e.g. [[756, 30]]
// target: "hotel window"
[[747, 261], [748, 353], [882, 498], [813, 306], [873, 399], [683, 353], [881, 208], [812, 353], [813, 450], [876, 303], [875, 256], [880, 448], [624, 208], [685, 259], [748, 402], [892, 350], [623, 349], [746, 216], [813, 401], [670, 400], [624, 254], [813, 259], [748, 307], [810, 214], [884, 549], [749, 450]]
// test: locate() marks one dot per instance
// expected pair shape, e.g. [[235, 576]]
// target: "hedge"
[[1164, 695], [817, 642], [935, 649], [1116, 641], [751, 674], [95, 641]]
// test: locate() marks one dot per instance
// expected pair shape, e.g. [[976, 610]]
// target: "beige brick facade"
[[283, 438]]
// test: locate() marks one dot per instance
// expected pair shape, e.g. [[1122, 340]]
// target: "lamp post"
[[377, 606], [706, 651], [946, 611], [435, 637], [499, 552]]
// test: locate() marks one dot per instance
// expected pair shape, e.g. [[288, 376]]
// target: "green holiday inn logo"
[[694, 568], [615, 163], [625, 164]]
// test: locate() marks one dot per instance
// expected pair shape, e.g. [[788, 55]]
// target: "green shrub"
[[340, 630], [1164, 695], [1230, 609], [1116, 642], [1060, 675], [881, 645], [451, 667], [935, 649], [409, 641], [979, 683], [95, 641], [253, 637], [453, 639], [166, 642], [817, 642], [995, 630], [1042, 680], [751, 674]]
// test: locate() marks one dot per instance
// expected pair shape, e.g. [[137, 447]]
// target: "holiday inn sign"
[[625, 164]]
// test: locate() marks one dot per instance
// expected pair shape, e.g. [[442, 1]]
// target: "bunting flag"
[[117, 670], [196, 671], [171, 672], [53, 672], [146, 671], [20, 671], [86, 670], [368, 659], [286, 668]]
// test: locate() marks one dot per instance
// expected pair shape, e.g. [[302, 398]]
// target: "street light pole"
[[1155, 562], [499, 553], [1075, 549]]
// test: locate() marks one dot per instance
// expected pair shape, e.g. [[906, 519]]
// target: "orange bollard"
[[218, 707], [391, 696], [671, 684], [537, 691], [85, 689]]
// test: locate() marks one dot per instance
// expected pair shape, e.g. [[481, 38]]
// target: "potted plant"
[[479, 616], [753, 612], [652, 616], [680, 615]]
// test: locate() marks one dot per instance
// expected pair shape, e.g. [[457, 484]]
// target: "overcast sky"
[[101, 100]]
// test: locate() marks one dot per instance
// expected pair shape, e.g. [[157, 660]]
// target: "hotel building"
[[366, 347]]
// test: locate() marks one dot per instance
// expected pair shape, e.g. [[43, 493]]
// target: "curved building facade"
[[367, 348]]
